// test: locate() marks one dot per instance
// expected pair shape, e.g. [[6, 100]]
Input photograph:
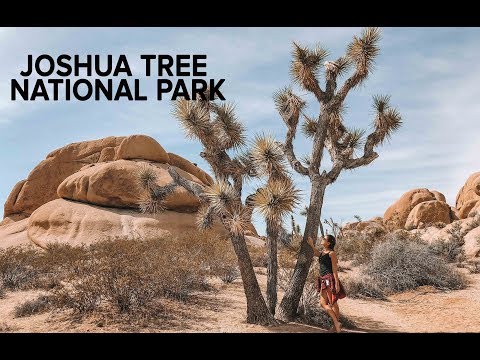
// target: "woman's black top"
[[325, 264]]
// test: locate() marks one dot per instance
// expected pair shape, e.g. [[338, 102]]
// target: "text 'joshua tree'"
[[328, 131]]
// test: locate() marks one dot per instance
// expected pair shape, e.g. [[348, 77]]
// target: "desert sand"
[[419, 311]]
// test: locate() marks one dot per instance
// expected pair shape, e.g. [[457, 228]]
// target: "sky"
[[432, 75]]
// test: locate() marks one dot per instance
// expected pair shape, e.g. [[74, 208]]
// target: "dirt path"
[[422, 310]]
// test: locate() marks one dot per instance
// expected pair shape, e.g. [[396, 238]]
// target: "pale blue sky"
[[431, 73]]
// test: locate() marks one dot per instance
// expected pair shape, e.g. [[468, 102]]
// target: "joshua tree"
[[218, 130], [329, 132], [272, 202]]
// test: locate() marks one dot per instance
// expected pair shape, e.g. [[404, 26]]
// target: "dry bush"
[[287, 257], [451, 248], [31, 307], [473, 267], [2, 290], [258, 255], [363, 287], [228, 273], [404, 262], [18, 267], [6, 328], [119, 278], [357, 246], [129, 275]]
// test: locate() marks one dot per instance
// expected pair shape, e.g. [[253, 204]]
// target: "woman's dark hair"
[[331, 240]]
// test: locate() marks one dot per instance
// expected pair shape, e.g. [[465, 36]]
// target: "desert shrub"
[[287, 257], [6, 328], [451, 247], [401, 263], [227, 273], [2, 290], [474, 267], [31, 307], [121, 279], [18, 267], [363, 287], [258, 256], [356, 246]]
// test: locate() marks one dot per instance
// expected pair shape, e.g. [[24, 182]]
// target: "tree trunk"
[[289, 305], [257, 311], [272, 266]]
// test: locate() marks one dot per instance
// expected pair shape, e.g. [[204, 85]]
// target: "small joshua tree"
[[274, 200], [216, 127], [329, 132]]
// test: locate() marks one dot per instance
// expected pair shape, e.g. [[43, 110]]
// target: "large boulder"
[[114, 184], [469, 196], [41, 185], [396, 215], [428, 213], [472, 244], [141, 147], [439, 196], [14, 234], [76, 223]]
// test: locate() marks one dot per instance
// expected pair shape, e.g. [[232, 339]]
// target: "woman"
[[329, 285]]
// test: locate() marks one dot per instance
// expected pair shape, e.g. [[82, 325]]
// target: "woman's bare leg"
[[336, 310], [326, 305]]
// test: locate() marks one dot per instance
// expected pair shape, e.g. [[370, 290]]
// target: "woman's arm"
[[334, 259], [315, 251]]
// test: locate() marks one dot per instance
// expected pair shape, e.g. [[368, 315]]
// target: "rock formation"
[[468, 198], [88, 191], [399, 212]]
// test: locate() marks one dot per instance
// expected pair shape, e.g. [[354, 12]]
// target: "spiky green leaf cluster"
[[204, 219], [221, 195], [267, 156], [306, 64], [364, 49], [309, 126], [228, 130], [194, 117], [277, 199], [288, 106], [146, 177]]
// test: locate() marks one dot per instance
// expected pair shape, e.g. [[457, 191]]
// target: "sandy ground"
[[422, 310]]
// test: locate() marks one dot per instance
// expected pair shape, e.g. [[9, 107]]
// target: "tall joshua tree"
[[329, 132], [218, 130], [275, 200]]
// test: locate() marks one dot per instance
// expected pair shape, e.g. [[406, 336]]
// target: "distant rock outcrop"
[[468, 198], [428, 212], [88, 191], [396, 215]]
